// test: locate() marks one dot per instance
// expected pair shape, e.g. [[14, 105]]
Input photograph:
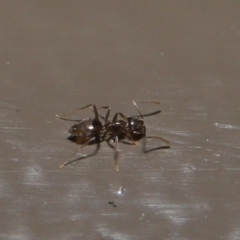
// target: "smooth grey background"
[[56, 56]]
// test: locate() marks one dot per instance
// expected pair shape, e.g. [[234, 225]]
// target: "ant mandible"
[[91, 131]]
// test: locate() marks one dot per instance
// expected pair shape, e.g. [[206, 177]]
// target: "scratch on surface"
[[114, 214], [234, 235], [182, 133], [34, 176], [176, 213], [5, 190], [74, 191], [232, 169], [16, 128], [113, 234], [227, 126]]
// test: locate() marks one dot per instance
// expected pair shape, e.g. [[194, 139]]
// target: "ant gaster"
[[91, 131]]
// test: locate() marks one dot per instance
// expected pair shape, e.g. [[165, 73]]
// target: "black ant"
[[91, 131], [112, 203]]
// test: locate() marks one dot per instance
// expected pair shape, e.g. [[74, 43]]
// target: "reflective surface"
[[56, 57]]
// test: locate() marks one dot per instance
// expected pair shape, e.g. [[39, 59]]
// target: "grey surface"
[[59, 55]]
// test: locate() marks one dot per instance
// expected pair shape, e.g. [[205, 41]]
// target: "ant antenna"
[[148, 101], [135, 104]]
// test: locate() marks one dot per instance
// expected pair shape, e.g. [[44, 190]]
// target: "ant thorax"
[[114, 130]]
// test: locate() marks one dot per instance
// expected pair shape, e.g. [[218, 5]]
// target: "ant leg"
[[156, 148], [128, 143], [78, 109], [132, 142], [128, 135], [163, 139], [115, 118], [107, 114], [123, 116], [67, 119], [116, 151], [75, 160]]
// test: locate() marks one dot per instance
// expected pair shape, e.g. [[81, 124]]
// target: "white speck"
[[15, 159], [142, 216], [195, 147], [120, 191]]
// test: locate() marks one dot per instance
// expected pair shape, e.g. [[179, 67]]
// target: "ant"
[[91, 131], [112, 203]]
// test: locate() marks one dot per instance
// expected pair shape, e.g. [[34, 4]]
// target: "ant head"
[[136, 127]]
